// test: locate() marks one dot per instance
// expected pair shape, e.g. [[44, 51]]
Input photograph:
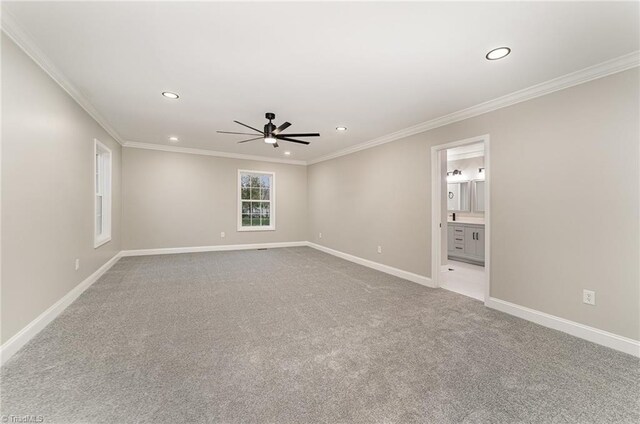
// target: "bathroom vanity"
[[465, 242]]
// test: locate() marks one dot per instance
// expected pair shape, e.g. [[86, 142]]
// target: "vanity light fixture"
[[498, 53], [173, 139], [287, 153], [341, 128], [170, 95]]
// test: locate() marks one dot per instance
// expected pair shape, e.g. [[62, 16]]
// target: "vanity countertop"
[[476, 221]]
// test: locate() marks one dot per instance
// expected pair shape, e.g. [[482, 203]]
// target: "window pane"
[[265, 181], [265, 221], [98, 215], [246, 208], [246, 193], [255, 194], [264, 194], [97, 173], [266, 209], [255, 220], [245, 180], [246, 220], [255, 208], [255, 181]]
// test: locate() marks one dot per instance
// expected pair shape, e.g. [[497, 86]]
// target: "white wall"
[[47, 192], [564, 199]]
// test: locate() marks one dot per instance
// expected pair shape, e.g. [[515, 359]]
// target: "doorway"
[[460, 259]]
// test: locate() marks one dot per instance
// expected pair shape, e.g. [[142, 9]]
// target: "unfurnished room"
[[320, 212]]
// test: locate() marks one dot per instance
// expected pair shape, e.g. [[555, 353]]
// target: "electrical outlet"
[[379, 249], [222, 234], [319, 235], [77, 264], [589, 297]]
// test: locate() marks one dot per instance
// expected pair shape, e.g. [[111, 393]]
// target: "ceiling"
[[466, 151], [375, 68]]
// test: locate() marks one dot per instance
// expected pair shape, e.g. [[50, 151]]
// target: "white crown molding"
[[26, 43], [603, 69], [619, 64], [205, 152]]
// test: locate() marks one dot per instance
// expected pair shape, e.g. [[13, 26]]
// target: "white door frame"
[[436, 218]]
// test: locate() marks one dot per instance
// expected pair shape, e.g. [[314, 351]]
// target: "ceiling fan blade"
[[302, 135], [275, 145], [291, 140], [281, 128], [251, 139], [245, 125], [231, 132]]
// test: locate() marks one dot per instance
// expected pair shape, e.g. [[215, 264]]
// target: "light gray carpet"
[[298, 336]]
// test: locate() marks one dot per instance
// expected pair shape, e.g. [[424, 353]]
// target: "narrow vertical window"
[[256, 201], [102, 175]]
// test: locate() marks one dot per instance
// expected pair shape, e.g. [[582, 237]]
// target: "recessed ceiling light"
[[170, 95], [173, 139], [498, 53], [341, 128], [287, 153]]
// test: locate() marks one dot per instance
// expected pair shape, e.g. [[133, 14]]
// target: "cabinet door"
[[469, 241], [480, 242], [450, 238]]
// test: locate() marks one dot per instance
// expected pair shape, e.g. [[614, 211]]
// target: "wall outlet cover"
[[589, 297], [77, 264], [379, 249], [222, 234], [319, 235]]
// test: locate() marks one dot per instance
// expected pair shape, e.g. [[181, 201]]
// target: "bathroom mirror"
[[458, 196], [478, 198]]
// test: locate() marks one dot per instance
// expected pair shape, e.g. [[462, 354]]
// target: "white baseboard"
[[195, 249], [420, 279], [604, 338], [11, 346]]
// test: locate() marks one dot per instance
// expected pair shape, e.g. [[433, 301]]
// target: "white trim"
[[105, 237], [220, 248], [594, 335], [436, 215], [26, 43], [272, 202], [205, 152], [11, 346], [619, 64], [600, 70], [601, 337], [420, 279]]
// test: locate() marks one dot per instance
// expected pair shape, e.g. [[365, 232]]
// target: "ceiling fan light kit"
[[272, 134]]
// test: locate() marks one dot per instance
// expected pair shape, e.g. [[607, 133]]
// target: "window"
[[256, 201], [102, 163]]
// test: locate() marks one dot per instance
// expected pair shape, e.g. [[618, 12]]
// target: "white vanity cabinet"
[[465, 242]]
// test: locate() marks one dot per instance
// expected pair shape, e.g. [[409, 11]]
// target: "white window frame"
[[272, 201], [102, 167]]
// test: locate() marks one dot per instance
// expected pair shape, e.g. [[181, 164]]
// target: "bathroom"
[[465, 199]]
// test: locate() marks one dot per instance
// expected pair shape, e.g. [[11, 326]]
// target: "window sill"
[[256, 229], [99, 242]]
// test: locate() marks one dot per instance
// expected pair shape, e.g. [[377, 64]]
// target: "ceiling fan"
[[271, 134]]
